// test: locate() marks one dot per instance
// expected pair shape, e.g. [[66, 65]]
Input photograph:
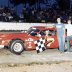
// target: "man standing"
[[69, 34], [60, 34]]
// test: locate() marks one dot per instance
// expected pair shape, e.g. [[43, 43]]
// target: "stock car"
[[18, 42]]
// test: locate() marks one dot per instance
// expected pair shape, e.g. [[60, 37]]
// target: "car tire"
[[16, 46]]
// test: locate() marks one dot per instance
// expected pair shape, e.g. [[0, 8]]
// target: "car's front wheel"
[[16, 46]]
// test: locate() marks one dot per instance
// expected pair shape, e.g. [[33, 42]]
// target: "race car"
[[18, 42]]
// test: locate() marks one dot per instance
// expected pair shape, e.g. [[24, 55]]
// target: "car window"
[[51, 33], [33, 31], [42, 33]]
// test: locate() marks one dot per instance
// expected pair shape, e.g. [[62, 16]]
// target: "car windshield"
[[32, 30]]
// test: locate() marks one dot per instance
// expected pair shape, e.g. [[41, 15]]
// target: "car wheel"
[[16, 46]]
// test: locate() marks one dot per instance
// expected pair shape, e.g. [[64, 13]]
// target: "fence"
[[20, 26]]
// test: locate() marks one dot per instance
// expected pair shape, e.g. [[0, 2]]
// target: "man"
[[48, 40], [69, 33], [60, 34]]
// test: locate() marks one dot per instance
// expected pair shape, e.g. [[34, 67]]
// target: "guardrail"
[[20, 26]]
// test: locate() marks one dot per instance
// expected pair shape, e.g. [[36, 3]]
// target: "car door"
[[52, 41], [29, 41]]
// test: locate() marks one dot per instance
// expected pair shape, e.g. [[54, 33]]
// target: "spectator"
[[69, 34], [61, 34]]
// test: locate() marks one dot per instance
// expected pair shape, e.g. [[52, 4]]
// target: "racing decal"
[[29, 39], [29, 42], [50, 41], [29, 45]]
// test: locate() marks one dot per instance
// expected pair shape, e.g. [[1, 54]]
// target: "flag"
[[40, 45]]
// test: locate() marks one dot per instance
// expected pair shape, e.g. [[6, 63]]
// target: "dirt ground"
[[54, 67], [30, 61]]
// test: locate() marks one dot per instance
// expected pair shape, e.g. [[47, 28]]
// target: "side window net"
[[51, 33]]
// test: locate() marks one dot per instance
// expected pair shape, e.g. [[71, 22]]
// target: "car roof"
[[44, 27]]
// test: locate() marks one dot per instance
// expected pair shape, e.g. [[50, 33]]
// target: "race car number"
[[50, 41]]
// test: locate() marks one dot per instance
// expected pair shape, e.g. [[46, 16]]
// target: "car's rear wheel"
[[16, 46]]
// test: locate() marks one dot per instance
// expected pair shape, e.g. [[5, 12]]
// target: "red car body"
[[28, 38]]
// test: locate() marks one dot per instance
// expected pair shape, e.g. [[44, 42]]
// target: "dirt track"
[[51, 60], [59, 67], [49, 55]]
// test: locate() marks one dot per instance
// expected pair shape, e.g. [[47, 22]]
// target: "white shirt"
[[69, 29]]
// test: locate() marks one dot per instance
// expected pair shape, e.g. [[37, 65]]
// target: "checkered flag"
[[40, 45]]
